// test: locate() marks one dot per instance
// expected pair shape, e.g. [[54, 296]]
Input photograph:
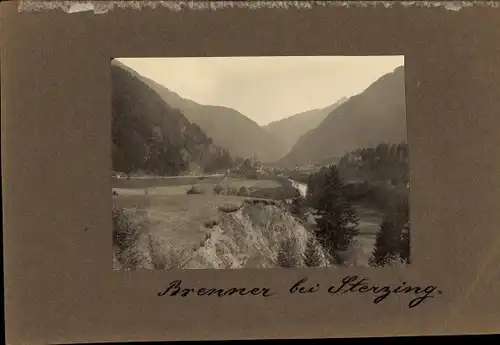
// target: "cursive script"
[[349, 284], [355, 284], [175, 288]]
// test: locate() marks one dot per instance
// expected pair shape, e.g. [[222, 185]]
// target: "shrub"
[[218, 189], [211, 223], [126, 236], [231, 191], [390, 260], [395, 260], [229, 208], [195, 190], [166, 258], [243, 191], [205, 239], [288, 253]]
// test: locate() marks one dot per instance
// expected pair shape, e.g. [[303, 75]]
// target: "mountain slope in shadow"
[[149, 136], [376, 115]]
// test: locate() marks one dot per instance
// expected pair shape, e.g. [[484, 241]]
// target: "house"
[[119, 175]]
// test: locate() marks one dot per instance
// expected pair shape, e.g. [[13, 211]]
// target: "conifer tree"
[[315, 186], [311, 255], [338, 221], [385, 243], [393, 237]]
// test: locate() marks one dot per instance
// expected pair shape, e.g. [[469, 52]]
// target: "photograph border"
[[131, 224]]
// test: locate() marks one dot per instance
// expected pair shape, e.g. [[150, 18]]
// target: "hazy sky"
[[266, 89]]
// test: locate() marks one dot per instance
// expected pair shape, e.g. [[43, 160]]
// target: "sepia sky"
[[266, 89]]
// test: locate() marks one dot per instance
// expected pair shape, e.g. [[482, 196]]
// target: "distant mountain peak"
[[290, 129]]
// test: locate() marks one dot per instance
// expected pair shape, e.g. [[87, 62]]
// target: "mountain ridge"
[[150, 136], [229, 129], [377, 114]]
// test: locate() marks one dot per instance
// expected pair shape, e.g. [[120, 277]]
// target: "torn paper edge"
[[99, 7]]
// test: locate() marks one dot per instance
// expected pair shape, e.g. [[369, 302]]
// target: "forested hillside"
[[151, 137], [383, 163]]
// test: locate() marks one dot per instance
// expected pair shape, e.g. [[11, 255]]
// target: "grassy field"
[[174, 185], [164, 182], [258, 188], [256, 184], [178, 219]]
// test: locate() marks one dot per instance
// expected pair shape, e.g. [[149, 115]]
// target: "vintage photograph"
[[259, 162]]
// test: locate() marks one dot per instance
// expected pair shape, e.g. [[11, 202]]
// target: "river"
[[301, 187]]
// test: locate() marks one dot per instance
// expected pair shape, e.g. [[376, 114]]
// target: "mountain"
[[229, 129], [376, 115], [149, 136], [290, 129]]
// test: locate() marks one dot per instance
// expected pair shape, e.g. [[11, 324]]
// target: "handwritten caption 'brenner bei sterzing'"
[[349, 284]]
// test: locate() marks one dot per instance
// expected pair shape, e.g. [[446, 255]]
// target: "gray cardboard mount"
[[56, 160]]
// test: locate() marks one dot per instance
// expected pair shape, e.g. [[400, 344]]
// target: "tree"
[[220, 160], [405, 243], [243, 191], [246, 166], [315, 185], [385, 243], [393, 237], [312, 257], [298, 209], [338, 222]]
